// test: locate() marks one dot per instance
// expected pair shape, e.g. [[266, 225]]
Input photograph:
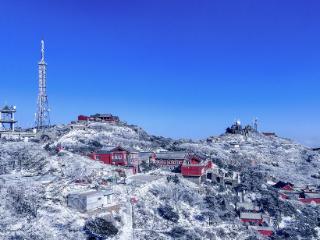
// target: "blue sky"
[[176, 68]]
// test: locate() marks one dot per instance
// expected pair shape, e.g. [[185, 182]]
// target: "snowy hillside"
[[35, 181], [279, 157], [94, 135]]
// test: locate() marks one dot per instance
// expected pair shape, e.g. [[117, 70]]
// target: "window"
[[117, 156]]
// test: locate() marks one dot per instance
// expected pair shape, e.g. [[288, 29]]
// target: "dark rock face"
[[100, 228], [168, 213]]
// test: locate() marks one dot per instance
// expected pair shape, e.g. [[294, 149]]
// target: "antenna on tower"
[[255, 124], [42, 114], [42, 51]]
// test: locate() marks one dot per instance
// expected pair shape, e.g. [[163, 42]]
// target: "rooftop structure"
[[99, 117]]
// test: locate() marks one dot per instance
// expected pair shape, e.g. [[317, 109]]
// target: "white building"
[[91, 200]]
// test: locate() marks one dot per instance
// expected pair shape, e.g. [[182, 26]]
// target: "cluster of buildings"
[[192, 166], [237, 128], [304, 194], [99, 117], [253, 216]]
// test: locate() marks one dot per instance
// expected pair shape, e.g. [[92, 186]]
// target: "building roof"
[[8, 109], [281, 184], [92, 193], [262, 228], [247, 206], [104, 115], [312, 195], [178, 156], [269, 134], [250, 215], [109, 149], [146, 155], [85, 194], [171, 155], [8, 121], [106, 149]]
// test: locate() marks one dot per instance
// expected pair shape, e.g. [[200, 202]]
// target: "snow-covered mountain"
[[35, 181]]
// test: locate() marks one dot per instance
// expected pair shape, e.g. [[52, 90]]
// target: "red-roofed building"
[[118, 156], [310, 198], [99, 118], [250, 217], [195, 166], [263, 230]]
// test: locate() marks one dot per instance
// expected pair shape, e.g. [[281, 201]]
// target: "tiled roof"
[[247, 206], [312, 195], [145, 155], [92, 193], [262, 228], [108, 149], [171, 155], [249, 215]]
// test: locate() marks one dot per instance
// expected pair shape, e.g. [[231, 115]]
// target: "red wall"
[[267, 233], [119, 158], [310, 200], [283, 196], [257, 221], [82, 118], [192, 170], [115, 158], [197, 171], [105, 158], [287, 188]]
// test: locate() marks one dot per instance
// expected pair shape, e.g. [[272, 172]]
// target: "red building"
[[118, 156], [284, 196], [195, 166], [310, 198], [250, 217], [171, 160], [99, 118], [83, 118], [263, 230], [284, 186]]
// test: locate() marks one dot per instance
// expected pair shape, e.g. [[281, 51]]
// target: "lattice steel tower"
[[42, 114]]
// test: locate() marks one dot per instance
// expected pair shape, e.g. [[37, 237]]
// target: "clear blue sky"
[[176, 68]]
